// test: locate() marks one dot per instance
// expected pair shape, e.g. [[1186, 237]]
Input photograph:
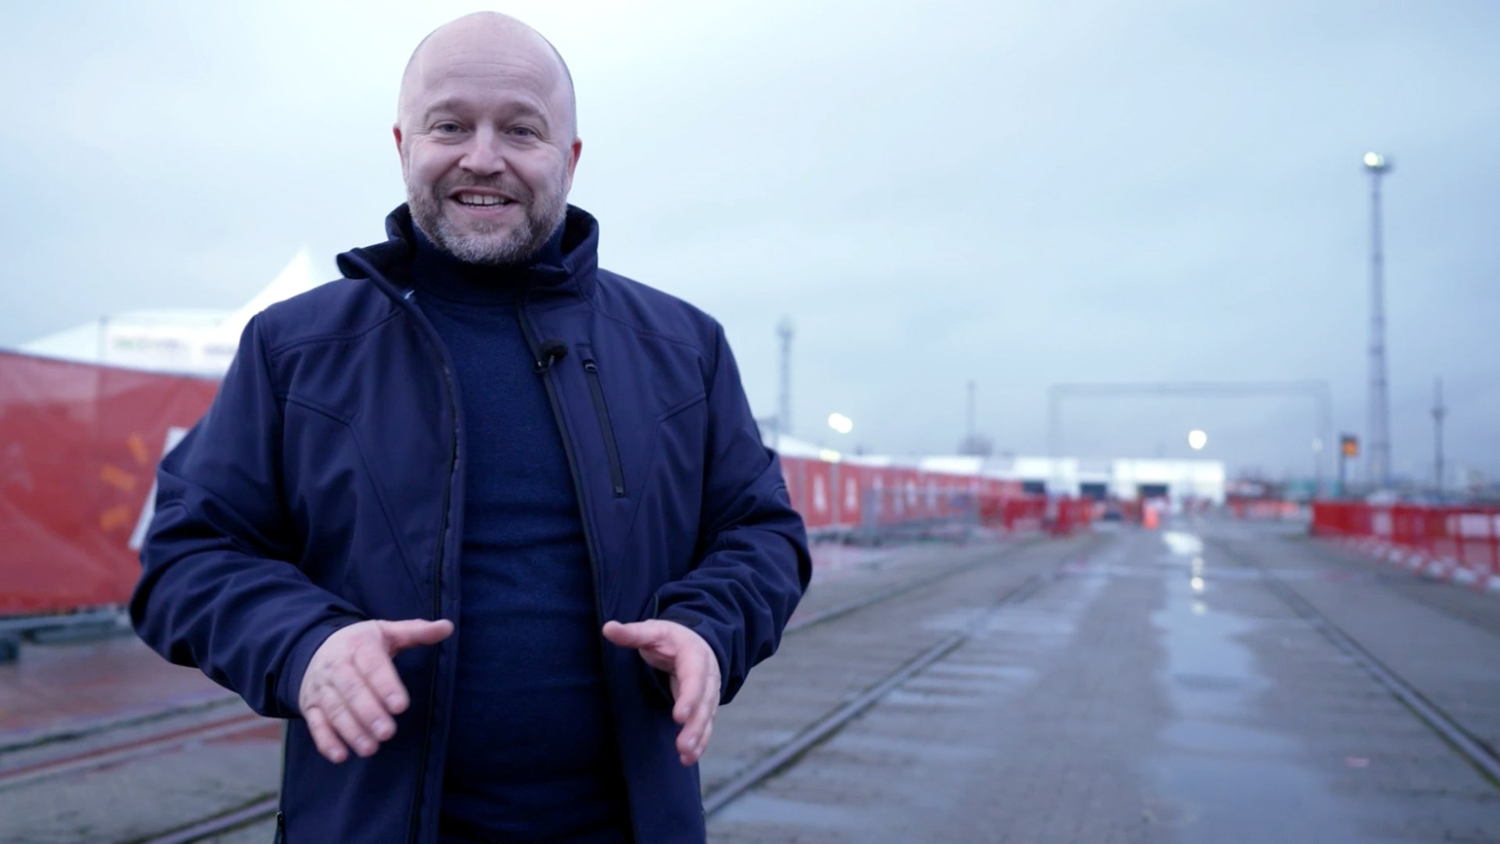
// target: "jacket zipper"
[[414, 832], [544, 368], [590, 540], [437, 582], [437, 606], [596, 391]]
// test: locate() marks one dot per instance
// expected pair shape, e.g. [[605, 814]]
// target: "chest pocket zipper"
[[596, 392]]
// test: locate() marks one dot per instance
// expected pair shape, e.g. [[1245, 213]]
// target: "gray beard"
[[478, 247]]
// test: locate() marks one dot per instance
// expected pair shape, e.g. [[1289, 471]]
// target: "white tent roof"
[[296, 277], [185, 340]]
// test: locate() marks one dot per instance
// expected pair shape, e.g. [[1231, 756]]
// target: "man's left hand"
[[686, 658]]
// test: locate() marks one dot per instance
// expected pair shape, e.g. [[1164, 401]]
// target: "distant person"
[[493, 527]]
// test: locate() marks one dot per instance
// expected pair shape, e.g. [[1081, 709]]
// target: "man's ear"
[[573, 152]]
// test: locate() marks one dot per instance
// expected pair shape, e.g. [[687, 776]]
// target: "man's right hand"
[[350, 690]]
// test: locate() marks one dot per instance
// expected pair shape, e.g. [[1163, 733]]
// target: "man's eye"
[[447, 127], [523, 131]]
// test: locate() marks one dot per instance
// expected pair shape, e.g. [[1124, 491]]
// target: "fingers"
[[344, 713], [696, 753], [351, 691], [656, 640], [349, 729], [400, 635], [694, 669], [637, 634], [380, 673], [323, 736], [696, 705], [688, 690], [362, 720]]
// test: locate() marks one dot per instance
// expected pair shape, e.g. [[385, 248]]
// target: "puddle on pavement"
[[937, 701], [953, 619], [1040, 623], [1226, 771], [987, 671]]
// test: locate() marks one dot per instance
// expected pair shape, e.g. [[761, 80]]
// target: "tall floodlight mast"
[[784, 398], [1379, 420]]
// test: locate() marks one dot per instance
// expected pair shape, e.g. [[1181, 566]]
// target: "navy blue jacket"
[[325, 486]]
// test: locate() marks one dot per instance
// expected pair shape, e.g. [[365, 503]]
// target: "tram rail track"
[[123, 751], [171, 734], [811, 732], [881, 632], [830, 724], [805, 739], [877, 596], [73, 732], [1467, 743], [262, 807]]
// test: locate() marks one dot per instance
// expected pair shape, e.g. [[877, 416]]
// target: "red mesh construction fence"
[[81, 444]]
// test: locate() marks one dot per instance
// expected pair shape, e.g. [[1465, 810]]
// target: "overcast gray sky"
[[1022, 193]]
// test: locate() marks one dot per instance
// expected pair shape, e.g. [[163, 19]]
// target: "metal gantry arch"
[[1316, 390]]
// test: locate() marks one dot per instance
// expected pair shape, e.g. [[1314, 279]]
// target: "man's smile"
[[482, 200]]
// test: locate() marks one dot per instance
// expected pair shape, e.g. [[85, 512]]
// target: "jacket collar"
[[390, 262]]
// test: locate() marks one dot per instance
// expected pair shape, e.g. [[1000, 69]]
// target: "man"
[[491, 526]]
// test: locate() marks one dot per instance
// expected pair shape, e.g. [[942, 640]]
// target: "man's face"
[[485, 134]]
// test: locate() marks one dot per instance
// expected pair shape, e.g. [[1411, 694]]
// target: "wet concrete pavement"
[[1442, 637], [66, 687], [1152, 689], [1156, 692]]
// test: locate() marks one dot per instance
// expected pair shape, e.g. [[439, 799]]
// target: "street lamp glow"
[[1375, 161], [1197, 439], [841, 423]]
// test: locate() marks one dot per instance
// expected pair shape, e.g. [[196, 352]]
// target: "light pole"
[[1379, 419], [784, 388], [842, 425]]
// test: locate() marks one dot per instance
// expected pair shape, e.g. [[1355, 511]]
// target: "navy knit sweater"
[[532, 751]]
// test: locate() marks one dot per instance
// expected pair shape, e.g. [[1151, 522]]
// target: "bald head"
[[487, 37], [488, 138]]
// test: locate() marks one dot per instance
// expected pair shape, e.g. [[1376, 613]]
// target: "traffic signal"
[[1349, 445]]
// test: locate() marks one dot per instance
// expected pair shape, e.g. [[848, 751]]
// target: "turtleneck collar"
[[438, 273], [390, 264]]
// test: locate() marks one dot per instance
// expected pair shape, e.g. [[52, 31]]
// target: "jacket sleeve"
[[754, 564], [217, 589]]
